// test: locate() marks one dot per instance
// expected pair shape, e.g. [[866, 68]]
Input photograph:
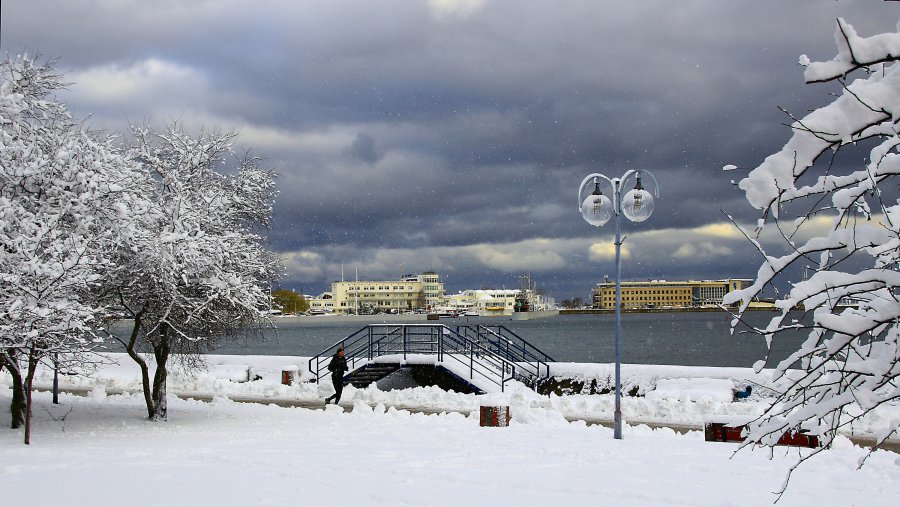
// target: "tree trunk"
[[17, 406], [29, 379], [161, 352], [145, 371]]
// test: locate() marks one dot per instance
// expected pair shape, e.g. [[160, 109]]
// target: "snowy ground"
[[100, 450]]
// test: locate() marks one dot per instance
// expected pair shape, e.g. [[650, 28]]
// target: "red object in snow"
[[799, 439], [494, 416], [722, 432]]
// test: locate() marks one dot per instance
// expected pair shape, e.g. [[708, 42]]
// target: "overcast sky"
[[452, 135]]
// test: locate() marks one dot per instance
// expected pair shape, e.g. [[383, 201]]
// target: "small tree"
[[848, 363], [421, 301], [67, 200], [289, 301], [198, 272]]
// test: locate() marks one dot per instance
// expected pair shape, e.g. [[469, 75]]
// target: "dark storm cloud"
[[363, 148], [452, 135]]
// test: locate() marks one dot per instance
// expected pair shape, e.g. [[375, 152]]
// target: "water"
[[686, 338]]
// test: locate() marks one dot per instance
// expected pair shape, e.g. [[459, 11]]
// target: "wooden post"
[[288, 374], [494, 416]]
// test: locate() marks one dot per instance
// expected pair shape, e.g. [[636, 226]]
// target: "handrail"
[[495, 355], [513, 347], [485, 358]]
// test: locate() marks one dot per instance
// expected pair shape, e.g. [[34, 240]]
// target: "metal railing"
[[494, 354], [505, 343]]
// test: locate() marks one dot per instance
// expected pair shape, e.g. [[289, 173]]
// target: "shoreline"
[[612, 311], [517, 316], [548, 314], [408, 319]]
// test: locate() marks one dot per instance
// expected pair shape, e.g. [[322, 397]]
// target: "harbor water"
[[678, 338]]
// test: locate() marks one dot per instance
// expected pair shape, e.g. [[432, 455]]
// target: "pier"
[[482, 358]]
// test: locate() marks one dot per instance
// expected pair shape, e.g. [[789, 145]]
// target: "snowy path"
[[429, 409], [676, 396], [99, 450]]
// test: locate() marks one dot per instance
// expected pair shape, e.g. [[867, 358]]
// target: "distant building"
[[321, 304], [463, 303], [503, 302], [412, 292], [664, 294], [484, 302], [431, 286]]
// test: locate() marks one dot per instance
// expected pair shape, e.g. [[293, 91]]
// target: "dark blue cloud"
[[394, 128]]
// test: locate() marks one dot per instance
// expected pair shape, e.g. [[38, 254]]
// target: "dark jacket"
[[338, 365]]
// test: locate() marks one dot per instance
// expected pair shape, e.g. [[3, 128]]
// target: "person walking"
[[337, 367]]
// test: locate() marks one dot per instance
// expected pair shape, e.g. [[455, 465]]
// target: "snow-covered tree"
[[199, 271], [849, 362], [67, 198]]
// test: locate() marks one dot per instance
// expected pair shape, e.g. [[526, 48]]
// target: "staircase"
[[484, 357], [371, 372]]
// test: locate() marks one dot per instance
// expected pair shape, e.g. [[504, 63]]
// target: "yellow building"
[[663, 294], [431, 286], [321, 304], [412, 292]]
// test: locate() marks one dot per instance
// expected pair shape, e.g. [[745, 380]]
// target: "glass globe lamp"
[[596, 208], [637, 205]]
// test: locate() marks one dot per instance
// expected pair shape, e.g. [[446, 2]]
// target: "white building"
[[484, 302]]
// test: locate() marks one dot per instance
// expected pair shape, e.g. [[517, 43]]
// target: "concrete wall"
[[542, 314]]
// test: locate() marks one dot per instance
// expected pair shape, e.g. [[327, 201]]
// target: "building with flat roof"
[[487, 302], [431, 286], [665, 294], [412, 292], [321, 304]]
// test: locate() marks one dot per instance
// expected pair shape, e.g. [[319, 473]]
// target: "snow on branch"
[[849, 363], [854, 52]]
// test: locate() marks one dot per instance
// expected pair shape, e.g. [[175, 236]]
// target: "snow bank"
[[100, 450], [669, 395]]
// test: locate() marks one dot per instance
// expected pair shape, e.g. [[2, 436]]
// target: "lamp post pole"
[[617, 415], [597, 209]]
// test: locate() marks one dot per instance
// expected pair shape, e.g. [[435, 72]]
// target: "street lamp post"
[[637, 206]]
